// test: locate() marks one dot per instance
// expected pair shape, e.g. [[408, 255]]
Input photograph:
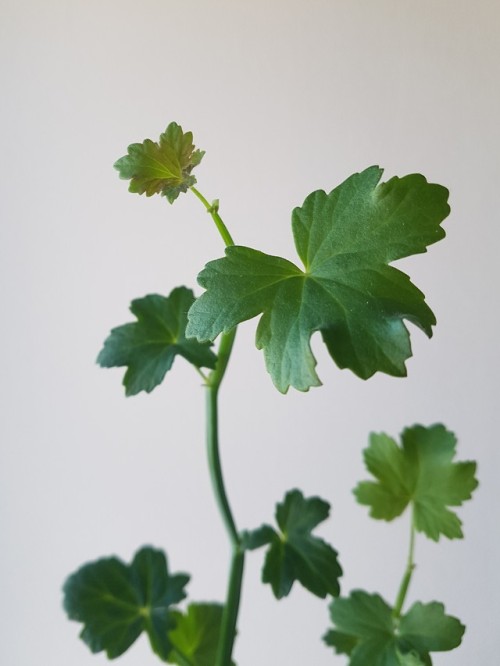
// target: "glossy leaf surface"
[[149, 346], [294, 553], [162, 167], [366, 631], [420, 472], [346, 290], [116, 602]]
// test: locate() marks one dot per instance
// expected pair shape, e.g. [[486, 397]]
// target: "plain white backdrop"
[[286, 97]]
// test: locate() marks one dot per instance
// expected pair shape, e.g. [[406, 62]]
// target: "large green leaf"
[[195, 638], [294, 553], [420, 473], [116, 602], [347, 290], [164, 167], [148, 347], [366, 631]]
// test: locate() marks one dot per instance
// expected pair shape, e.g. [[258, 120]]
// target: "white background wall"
[[285, 97]]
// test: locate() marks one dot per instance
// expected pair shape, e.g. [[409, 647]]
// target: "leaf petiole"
[[212, 384], [213, 210], [410, 568]]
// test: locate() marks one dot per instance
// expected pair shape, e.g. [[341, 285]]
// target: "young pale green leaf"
[[347, 290], [116, 602], [294, 553], [164, 167], [195, 638], [367, 632], [148, 347], [422, 473]]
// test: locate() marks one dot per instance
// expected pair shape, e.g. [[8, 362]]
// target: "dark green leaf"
[[164, 167], [253, 539], [196, 635], [368, 633], [294, 553], [148, 347], [347, 290], [421, 473], [116, 602]]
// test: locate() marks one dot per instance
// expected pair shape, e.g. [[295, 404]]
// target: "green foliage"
[[420, 473], [294, 553], [196, 635], [148, 347], [164, 167], [116, 602], [347, 290], [367, 631]]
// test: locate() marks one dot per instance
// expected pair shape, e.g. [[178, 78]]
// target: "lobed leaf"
[[161, 168], [116, 602], [420, 473], [346, 290], [367, 632], [295, 554], [149, 346]]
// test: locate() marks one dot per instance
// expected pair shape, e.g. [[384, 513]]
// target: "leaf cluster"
[[345, 288], [367, 631], [117, 602]]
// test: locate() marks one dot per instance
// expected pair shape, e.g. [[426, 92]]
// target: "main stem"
[[410, 568], [213, 382]]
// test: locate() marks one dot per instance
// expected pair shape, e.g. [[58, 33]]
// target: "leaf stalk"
[[407, 576], [212, 383], [213, 210]]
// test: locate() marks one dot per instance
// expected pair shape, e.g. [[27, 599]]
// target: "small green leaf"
[[116, 602], [294, 553], [347, 290], [148, 347], [368, 633], [164, 167], [420, 473], [196, 635]]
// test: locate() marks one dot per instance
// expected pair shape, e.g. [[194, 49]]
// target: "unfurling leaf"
[[116, 602], [347, 290], [196, 635], [294, 553], [164, 167], [148, 347], [367, 632], [420, 473]]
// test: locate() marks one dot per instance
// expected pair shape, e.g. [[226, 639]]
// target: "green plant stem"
[[231, 607], [213, 209], [212, 383], [410, 567]]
